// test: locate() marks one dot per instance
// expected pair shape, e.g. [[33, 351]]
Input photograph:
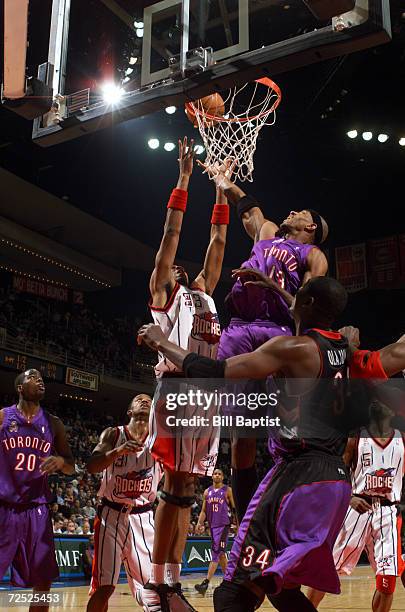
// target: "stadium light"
[[199, 149], [169, 146], [367, 135], [139, 32], [401, 142], [128, 71], [170, 110], [352, 133], [153, 143], [132, 60], [382, 137], [138, 24], [112, 93]]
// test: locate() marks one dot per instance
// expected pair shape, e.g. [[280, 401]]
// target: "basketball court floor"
[[357, 592]]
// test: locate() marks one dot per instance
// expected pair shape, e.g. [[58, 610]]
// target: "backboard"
[[168, 52]]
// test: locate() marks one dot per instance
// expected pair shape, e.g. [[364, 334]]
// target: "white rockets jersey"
[[189, 320], [131, 479], [379, 470]]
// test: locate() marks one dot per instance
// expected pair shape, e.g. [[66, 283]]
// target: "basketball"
[[210, 105]]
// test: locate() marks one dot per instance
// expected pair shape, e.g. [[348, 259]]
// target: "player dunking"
[[279, 545], [289, 257], [375, 457], [186, 314], [218, 504], [124, 529], [33, 445]]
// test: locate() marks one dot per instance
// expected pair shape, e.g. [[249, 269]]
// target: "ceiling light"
[[139, 32], [401, 141], [133, 60], [199, 149], [352, 134], [129, 71], [138, 24], [382, 137], [367, 135], [112, 93], [170, 110], [153, 143], [169, 146]]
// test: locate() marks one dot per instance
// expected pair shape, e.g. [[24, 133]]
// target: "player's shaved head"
[[323, 299]]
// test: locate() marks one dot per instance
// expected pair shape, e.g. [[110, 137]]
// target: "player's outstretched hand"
[[186, 157], [151, 335], [251, 276], [360, 505], [129, 447], [352, 334], [219, 173], [51, 464]]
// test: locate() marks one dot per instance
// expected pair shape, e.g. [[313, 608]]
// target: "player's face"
[[140, 407], [33, 388], [217, 477], [381, 411], [297, 220], [180, 275]]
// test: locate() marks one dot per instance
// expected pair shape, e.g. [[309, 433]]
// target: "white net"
[[233, 136]]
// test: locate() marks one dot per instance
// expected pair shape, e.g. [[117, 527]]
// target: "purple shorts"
[[291, 525], [246, 336], [219, 536], [26, 546]]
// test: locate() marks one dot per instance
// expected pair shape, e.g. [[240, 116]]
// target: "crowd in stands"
[[74, 333]]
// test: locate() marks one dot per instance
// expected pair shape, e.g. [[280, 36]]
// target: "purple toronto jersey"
[[217, 508], [285, 261], [22, 446]]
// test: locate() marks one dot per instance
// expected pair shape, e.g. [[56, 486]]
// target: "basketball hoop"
[[233, 134]]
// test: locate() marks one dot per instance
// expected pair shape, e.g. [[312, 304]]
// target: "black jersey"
[[312, 411]]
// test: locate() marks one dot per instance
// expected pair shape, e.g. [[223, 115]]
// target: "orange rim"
[[193, 110]]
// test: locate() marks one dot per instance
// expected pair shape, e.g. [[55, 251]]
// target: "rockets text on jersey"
[[189, 320], [132, 479], [379, 468]]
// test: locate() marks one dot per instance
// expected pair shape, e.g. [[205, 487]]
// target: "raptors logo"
[[206, 327], [380, 481]]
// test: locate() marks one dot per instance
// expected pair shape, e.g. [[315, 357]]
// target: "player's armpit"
[[317, 265], [96, 463]]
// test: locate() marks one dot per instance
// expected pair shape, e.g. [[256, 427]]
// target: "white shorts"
[[191, 449], [120, 537], [377, 532]]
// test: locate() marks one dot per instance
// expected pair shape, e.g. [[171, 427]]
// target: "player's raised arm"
[[63, 459], [105, 452], [161, 282], [249, 211], [209, 276]]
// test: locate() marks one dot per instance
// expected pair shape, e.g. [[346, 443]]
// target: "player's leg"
[[10, 534], [137, 552], [35, 563], [231, 597], [384, 557], [291, 600], [41, 589], [111, 531], [350, 543], [172, 520]]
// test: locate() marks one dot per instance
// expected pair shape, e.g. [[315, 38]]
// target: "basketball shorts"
[[177, 441], [242, 337], [290, 528], [219, 537], [378, 532], [122, 538], [26, 545]]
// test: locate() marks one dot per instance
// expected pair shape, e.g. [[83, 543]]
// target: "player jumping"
[[289, 256], [187, 315]]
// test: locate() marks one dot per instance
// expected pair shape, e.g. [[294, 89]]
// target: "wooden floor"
[[357, 592]]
